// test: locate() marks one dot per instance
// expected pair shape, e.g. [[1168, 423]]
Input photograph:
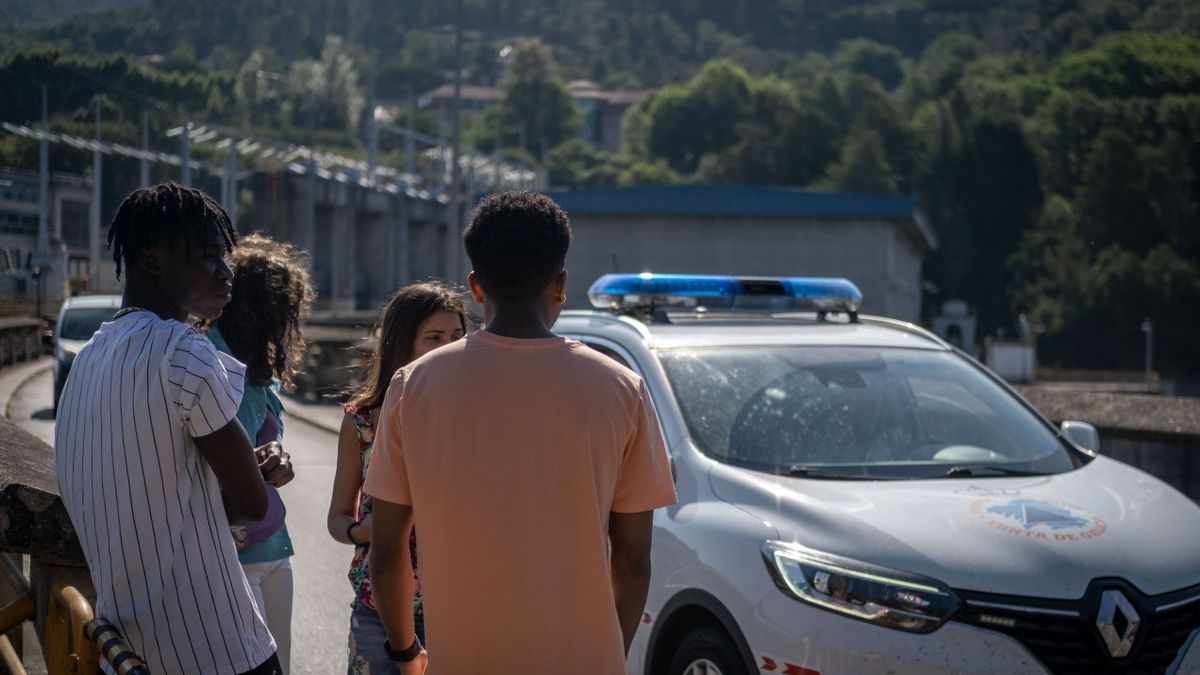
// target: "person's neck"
[[524, 321], [144, 294]]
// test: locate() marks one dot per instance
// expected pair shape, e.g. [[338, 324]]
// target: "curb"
[[16, 376], [296, 409]]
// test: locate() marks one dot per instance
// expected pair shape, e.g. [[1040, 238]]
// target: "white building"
[[877, 241]]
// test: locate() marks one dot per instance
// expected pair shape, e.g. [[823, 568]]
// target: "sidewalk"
[[325, 416], [17, 374]]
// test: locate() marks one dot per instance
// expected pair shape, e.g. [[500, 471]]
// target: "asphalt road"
[[321, 610]]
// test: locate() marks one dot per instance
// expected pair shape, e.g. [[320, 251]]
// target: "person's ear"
[[477, 293], [560, 288], [153, 260]]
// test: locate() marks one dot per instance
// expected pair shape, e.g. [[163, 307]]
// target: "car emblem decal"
[[1118, 622], [1039, 519]]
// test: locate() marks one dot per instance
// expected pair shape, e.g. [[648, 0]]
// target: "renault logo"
[[1118, 622]]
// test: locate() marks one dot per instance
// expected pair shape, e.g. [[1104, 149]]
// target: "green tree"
[[867, 57], [1113, 199], [537, 105], [1048, 269], [863, 166], [326, 92], [1135, 65], [688, 121], [1063, 130]]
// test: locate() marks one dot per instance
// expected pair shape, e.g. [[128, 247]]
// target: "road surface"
[[321, 614]]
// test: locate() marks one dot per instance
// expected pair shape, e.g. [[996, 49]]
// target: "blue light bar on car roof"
[[652, 291]]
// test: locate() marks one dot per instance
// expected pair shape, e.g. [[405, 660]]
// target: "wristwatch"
[[403, 656], [350, 532]]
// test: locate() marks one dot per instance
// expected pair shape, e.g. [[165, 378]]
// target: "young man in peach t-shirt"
[[532, 465]]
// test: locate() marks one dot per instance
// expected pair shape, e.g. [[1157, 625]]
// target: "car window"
[[609, 352], [883, 412], [80, 323]]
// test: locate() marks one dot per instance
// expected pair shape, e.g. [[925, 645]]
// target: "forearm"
[[392, 587], [392, 583], [631, 583], [337, 523]]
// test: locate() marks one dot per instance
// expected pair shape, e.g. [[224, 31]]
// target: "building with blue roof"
[[877, 241]]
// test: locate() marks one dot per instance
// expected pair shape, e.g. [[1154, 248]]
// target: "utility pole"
[[229, 189], [1148, 329], [410, 143], [185, 171], [454, 226], [94, 211], [43, 235], [144, 174], [372, 134]]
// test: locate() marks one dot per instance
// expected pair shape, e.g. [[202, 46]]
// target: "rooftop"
[[744, 200]]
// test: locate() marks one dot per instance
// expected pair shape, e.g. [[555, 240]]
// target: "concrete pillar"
[[94, 210]]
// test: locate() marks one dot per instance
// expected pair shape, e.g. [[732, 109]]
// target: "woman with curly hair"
[[416, 320], [261, 328]]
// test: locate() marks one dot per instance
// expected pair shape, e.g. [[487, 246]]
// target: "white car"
[[856, 496], [78, 318]]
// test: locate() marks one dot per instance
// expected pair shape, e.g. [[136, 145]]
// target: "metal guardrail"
[[21, 609], [74, 640]]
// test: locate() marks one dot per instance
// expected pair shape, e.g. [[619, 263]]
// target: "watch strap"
[[403, 656]]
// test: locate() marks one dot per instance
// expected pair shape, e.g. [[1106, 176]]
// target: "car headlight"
[[886, 597]]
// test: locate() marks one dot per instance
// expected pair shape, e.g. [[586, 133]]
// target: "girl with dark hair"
[[416, 320], [261, 328]]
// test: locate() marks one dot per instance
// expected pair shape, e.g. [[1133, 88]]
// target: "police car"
[[856, 496]]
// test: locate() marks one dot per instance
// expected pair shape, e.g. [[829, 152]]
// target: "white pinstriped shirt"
[[146, 505]]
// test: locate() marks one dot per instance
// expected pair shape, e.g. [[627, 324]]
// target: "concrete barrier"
[[20, 339]]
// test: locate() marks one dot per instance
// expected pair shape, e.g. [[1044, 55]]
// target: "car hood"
[[1040, 536], [69, 348]]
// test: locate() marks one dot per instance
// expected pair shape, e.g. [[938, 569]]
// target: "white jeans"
[[271, 583]]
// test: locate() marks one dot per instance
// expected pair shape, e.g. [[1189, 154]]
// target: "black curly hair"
[[162, 213], [517, 243], [271, 293]]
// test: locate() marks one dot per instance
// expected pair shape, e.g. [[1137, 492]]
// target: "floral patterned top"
[[359, 569]]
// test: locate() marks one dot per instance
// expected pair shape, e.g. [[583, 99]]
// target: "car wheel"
[[707, 651]]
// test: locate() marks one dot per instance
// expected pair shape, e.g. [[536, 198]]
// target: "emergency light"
[[648, 292]]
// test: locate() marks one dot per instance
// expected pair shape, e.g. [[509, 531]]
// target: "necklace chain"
[[127, 310]]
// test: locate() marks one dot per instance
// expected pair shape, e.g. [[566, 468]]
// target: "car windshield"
[[858, 412], [79, 323]]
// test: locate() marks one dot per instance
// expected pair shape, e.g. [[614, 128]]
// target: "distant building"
[[65, 266], [603, 111], [877, 241]]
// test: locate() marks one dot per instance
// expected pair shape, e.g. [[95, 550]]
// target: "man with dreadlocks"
[[152, 462]]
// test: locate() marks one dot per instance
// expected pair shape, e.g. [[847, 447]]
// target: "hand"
[[239, 537], [417, 666], [275, 464], [362, 531]]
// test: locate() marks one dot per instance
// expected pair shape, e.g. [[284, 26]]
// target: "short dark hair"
[[162, 213], [517, 242]]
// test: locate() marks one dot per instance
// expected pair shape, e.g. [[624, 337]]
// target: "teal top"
[[256, 400]]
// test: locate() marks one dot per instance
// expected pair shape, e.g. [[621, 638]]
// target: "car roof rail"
[[908, 327]]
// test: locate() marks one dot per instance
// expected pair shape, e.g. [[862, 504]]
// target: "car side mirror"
[[1082, 434]]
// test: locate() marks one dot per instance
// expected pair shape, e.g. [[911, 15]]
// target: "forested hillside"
[[1053, 144]]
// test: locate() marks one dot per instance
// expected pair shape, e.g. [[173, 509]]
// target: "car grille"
[[1065, 637]]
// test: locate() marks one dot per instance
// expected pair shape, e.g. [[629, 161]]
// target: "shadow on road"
[[44, 414]]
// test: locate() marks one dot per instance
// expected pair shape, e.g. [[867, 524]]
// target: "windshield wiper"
[[967, 471], [803, 471]]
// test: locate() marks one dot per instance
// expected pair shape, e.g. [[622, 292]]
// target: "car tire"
[[707, 651]]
